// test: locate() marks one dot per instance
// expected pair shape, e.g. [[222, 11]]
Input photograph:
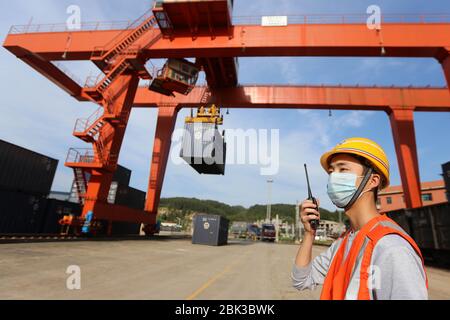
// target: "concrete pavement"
[[160, 268]]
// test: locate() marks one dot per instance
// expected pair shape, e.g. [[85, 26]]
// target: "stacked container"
[[26, 178], [25, 171]]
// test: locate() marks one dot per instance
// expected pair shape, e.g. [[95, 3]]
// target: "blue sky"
[[38, 115]]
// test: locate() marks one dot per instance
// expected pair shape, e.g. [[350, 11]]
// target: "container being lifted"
[[177, 75], [203, 147]]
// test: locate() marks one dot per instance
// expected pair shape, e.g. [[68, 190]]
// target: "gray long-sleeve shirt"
[[397, 272]]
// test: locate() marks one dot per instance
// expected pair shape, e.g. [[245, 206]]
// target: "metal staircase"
[[123, 56], [97, 92], [130, 39], [88, 129], [80, 184]]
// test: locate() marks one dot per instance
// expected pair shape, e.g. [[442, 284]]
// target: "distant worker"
[[375, 259]]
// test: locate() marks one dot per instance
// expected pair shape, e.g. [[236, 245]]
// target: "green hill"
[[172, 208]]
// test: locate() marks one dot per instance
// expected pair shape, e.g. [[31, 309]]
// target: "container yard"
[[202, 223]]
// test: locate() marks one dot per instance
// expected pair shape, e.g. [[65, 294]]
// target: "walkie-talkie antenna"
[[314, 223], [307, 181]]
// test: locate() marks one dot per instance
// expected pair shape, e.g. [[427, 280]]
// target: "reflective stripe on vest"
[[348, 278]]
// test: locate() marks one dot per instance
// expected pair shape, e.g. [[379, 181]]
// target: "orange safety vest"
[[340, 271]]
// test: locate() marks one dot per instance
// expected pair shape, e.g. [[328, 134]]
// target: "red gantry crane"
[[206, 31]]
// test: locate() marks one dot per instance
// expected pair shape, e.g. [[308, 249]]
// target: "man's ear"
[[375, 181]]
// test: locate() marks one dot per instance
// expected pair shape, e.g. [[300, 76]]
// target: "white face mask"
[[342, 187]]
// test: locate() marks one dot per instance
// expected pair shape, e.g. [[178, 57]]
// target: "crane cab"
[[177, 75]]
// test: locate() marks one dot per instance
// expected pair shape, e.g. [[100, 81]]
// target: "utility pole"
[[269, 196], [277, 229]]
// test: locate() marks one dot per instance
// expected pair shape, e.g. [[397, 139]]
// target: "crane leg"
[[122, 98], [167, 116], [402, 124]]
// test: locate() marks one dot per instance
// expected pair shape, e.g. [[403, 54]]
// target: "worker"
[[375, 259]]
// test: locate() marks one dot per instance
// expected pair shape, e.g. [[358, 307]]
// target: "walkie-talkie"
[[314, 223]]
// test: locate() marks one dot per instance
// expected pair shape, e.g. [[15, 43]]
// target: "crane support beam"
[[167, 116], [445, 62], [307, 97], [402, 124], [110, 140], [399, 40], [52, 73], [331, 40]]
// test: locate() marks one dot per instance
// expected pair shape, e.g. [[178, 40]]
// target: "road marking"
[[208, 283]]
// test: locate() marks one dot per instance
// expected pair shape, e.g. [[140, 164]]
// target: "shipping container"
[[210, 230], [122, 176], [446, 176], [59, 195], [24, 170], [125, 228], [204, 148], [128, 197], [21, 213], [55, 210], [429, 226]]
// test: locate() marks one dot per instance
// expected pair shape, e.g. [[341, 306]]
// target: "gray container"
[[204, 148], [21, 213], [24, 170], [210, 230]]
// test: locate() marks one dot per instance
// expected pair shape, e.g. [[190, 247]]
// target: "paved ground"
[[161, 268]]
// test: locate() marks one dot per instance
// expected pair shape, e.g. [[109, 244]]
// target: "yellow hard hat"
[[366, 148]]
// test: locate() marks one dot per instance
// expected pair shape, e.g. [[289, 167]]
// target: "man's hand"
[[308, 212]]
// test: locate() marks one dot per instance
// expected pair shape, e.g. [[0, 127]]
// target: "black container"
[[429, 226], [25, 171], [21, 213], [122, 175], [210, 230], [128, 197], [131, 198], [54, 210], [441, 222], [125, 228]]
